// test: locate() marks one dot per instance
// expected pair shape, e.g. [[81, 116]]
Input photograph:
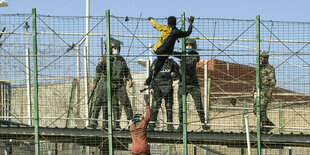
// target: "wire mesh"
[[226, 73]]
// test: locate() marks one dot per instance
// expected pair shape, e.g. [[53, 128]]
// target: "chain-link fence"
[[68, 53]]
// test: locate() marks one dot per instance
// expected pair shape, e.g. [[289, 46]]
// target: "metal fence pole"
[[280, 123], [184, 89], [258, 84], [28, 78], [247, 134], [35, 84], [109, 82]]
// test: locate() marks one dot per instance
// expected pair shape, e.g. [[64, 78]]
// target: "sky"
[[276, 10]]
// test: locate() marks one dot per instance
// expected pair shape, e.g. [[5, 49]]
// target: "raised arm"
[[158, 27], [182, 34], [148, 110]]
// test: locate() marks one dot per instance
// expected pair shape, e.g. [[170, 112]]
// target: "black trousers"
[[159, 96]]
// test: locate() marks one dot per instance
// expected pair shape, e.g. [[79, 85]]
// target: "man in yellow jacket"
[[165, 45]]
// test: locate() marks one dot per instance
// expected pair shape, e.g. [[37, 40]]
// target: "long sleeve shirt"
[[169, 35], [120, 72]]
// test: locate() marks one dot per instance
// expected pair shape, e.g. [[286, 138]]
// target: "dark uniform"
[[267, 85], [165, 45], [192, 84], [120, 74], [163, 90], [100, 97]]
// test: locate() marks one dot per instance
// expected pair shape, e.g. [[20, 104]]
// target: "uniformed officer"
[[267, 84], [120, 74], [192, 84], [163, 89]]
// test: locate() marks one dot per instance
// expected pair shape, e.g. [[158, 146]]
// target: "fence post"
[[35, 83], [258, 84], [183, 68], [280, 122], [243, 120], [109, 82]]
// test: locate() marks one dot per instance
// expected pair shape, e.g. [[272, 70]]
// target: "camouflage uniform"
[[267, 83], [163, 89]]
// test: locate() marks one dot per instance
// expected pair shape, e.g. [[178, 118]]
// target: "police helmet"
[[192, 42], [265, 54], [114, 43]]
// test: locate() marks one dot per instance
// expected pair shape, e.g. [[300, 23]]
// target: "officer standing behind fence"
[[163, 90], [267, 84], [192, 84], [120, 74]]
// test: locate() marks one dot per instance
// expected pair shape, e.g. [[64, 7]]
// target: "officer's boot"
[[93, 123], [201, 115], [105, 125], [128, 111], [205, 127], [169, 117], [170, 126], [152, 123], [116, 118], [152, 126], [180, 128], [266, 122]]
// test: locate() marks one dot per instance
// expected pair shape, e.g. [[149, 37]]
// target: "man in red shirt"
[[138, 131]]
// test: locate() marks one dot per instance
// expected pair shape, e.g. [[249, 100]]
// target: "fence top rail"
[[160, 18]]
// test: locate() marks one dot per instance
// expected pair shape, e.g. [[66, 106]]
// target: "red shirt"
[[138, 134]]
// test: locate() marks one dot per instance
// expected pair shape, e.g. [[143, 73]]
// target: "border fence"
[[48, 64]]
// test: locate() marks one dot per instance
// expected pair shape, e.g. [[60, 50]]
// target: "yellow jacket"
[[165, 32], [168, 37]]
